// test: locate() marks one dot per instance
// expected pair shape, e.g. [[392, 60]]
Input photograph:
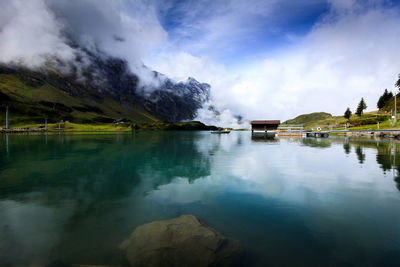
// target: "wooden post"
[[7, 122], [7, 145]]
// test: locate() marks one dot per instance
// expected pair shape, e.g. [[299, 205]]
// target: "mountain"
[[96, 88]]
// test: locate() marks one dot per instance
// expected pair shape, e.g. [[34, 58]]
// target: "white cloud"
[[126, 29], [350, 53], [36, 31], [276, 180], [336, 64], [30, 34]]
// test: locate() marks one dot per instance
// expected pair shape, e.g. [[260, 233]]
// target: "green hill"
[[34, 96], [325, 120], [105, 91], [313, 119]]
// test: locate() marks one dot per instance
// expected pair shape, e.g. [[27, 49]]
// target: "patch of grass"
[[76, 127], [382, 126], [122, 127]]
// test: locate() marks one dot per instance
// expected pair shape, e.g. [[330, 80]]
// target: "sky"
[[264, 59], [279, 59]]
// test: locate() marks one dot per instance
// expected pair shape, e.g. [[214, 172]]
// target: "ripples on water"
[[310, 202]]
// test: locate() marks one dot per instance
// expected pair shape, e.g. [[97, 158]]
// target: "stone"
[[182, 241], [57, 263]]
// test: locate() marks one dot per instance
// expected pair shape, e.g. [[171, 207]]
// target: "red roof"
[[274, 122]]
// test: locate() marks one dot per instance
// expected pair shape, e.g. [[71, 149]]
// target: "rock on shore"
[[182, 241]]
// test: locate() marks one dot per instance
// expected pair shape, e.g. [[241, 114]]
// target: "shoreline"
[[108, 128]]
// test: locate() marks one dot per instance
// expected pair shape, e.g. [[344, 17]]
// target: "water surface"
[[304, 202]]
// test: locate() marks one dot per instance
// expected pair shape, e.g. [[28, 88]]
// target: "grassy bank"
[[77, 127], [385, 125], [122, 127]]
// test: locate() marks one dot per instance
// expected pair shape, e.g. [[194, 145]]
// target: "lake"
[[291, 201]]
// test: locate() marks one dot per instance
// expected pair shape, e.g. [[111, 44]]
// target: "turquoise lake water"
[[303, 202]]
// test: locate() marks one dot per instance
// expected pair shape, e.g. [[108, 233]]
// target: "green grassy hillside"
[[311, 119], [326, 120], [34, 96]]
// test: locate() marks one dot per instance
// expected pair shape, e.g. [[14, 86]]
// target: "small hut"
[[266, 125]]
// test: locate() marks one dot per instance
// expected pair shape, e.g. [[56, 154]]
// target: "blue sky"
[[264, 59], [236, 31], [279, 59], [251, 33]]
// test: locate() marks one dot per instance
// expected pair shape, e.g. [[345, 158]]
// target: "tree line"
[[382, 101]]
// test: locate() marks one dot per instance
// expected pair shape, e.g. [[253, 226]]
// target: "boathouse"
[[266, 125]]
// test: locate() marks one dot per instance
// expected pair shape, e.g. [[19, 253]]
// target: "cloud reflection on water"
[[95, 190], [284, 171]]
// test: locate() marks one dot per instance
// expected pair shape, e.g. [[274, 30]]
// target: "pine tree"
[[381, 102], [361, 106], [397, 84], [347, 113], [384, 99], [389, 95]]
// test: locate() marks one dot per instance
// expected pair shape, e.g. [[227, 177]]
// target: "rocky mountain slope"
[[101, 89]]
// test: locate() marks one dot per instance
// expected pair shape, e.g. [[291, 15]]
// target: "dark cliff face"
[[178, 101], [105, 89], [167, 101]]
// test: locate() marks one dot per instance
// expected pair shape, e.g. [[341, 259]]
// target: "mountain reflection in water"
[[304, 201]]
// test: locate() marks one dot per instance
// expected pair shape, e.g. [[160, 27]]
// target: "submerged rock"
[[58, 263], [183, 241]]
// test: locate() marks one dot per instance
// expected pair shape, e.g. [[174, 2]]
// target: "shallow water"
[[304, 202]]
